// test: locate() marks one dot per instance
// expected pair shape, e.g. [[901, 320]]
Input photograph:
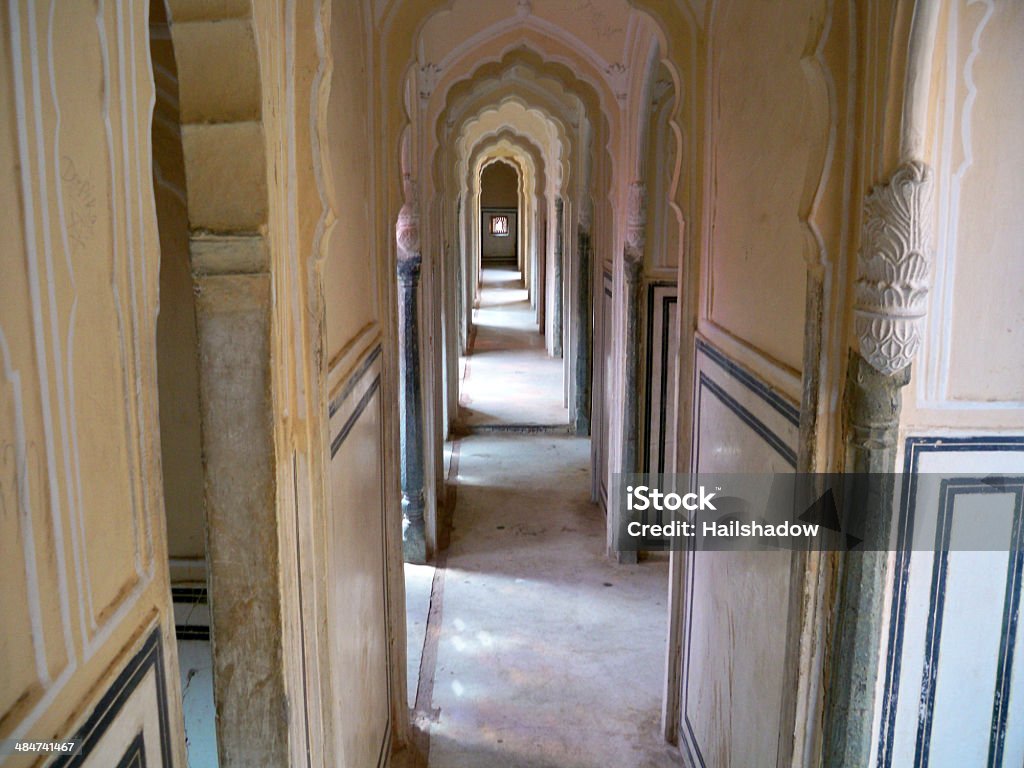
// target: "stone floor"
[[541, 651], [509, 378]]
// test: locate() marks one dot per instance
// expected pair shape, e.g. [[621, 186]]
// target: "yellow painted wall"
[[764, 139], [350, 306], [84, 578]]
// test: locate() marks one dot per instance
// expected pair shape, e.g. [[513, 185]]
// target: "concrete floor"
[[541, 651], [509, 378]]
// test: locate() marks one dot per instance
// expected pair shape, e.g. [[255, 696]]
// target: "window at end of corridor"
[[499, 226]]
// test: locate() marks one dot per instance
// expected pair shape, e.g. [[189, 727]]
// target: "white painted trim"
[[933, 387]]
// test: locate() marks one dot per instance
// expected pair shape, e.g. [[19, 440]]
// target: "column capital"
[[407, 227], [636, 216], [632, 264], [892, 268]]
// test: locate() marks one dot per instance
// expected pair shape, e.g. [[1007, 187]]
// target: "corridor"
[[329, 330], [509, 379], [540, 651]]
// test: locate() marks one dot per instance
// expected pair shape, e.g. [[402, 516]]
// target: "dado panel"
[[662, 348], [357, 590], [80, 497], [954, 678], [735, 628]]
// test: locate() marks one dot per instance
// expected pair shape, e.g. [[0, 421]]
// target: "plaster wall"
[[764, 135], [349, 249], [946, 637], [968, 373], [338, 300], [84, 589], [770, 203]]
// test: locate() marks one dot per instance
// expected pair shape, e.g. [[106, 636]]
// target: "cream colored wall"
[[84, 548], [963, 411], [968, 374], [362, 648], [763, 137], [763, 241], [349, 248]]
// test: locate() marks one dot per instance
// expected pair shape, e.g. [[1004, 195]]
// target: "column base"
[[626, 558], [414, 545], [414, 539]]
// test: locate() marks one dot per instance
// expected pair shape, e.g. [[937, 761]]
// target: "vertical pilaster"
[[410, 397], [556, 310], [633, 270], [581, 419], [891, 293], [233, 318]]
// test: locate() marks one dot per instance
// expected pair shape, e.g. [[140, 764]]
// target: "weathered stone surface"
[[233, 314], [229, 254], [873, 414]]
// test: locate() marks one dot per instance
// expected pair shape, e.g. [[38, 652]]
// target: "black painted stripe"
[[135, 755], [666, 300], [353, 380], [915, 447], [950, 489], [785, 408], [191, 632], [665, 365], [748, 418], [150, 656], [351, 421], [1008, 638], [190, 595]]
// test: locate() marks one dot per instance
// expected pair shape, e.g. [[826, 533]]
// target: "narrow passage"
[[509, 378], [545, 653]]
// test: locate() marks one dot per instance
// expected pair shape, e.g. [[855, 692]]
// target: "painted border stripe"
[[150, 656], [785, 408], [750, 420], [353, 379], [351, 422], [915, 446]]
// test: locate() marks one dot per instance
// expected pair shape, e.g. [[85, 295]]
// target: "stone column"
[[410, 398], [633, 270], [556, 310], [584, 317], [891, 293], [233, 320]]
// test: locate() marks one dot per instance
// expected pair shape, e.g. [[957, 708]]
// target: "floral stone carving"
[[891, 292]]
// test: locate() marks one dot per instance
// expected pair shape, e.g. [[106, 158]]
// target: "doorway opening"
[[180, 417]]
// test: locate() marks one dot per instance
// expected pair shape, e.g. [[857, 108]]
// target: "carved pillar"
[[633, 270], [891, 291], [410, 398], [581, 420], [556, 310]]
